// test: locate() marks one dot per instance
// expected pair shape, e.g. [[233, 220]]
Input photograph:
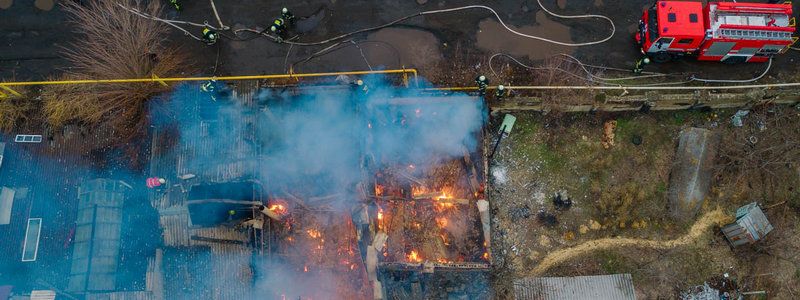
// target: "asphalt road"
[[30, 38]]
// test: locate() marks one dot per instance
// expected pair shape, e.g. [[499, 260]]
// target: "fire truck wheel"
[[661, 57]]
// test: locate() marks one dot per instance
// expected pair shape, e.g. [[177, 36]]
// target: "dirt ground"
[[620, 193]]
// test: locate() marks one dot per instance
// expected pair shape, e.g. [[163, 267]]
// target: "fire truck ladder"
[[756, 34]]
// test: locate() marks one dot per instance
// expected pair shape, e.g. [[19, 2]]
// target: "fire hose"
[[430, 12], [593, 78], [606, 81]]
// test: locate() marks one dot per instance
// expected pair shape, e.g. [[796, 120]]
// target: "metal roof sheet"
[[97, 239], [751, 225], [599, 287], [6, 203]]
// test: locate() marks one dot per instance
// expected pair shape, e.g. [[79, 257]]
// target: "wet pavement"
[[30, 37]]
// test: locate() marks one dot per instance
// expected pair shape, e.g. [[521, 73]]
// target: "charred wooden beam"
[[483, 210], [426, 197], [216, 240], [455, 266]]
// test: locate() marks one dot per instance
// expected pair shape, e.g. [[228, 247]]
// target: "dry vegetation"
[[620, 192], [112, 44], [461, 69], [557, 71], [766, 148], [554, 71], [15, 111]]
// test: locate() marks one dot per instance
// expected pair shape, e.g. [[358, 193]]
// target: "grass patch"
[[613, 263], [550, 158]]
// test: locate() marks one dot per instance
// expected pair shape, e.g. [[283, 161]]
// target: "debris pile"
[[608, 134]]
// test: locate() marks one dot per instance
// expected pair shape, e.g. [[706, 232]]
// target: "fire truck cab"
[[722, 31]]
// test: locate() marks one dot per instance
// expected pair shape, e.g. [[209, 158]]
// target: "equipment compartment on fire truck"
[[722, 31]]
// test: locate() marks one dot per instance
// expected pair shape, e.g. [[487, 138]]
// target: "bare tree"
[[765, 150], [112, 43]]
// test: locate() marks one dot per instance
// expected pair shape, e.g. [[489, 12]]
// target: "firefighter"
[[500, 93], [360, 86], [288, 16], [639, 66], [210, 37], [210, 88], [176, 4], [278, 28], [483, 83]]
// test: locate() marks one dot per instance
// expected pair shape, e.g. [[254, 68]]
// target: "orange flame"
[[313, 233], [278, 207], [305, 268], [379, 190], [380, 219], [486, 255], [414, 256]]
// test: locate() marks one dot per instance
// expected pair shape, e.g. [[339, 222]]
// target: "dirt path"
[[715, 217]]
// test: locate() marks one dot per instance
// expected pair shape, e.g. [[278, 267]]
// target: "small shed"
[[599, 287], [751, 225]]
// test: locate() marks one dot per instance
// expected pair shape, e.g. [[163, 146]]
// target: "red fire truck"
[[729, 32]]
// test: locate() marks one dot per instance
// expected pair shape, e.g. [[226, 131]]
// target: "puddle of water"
[[309, 23], [5, 4], [492, 37], [416, 48], [45, 5]]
